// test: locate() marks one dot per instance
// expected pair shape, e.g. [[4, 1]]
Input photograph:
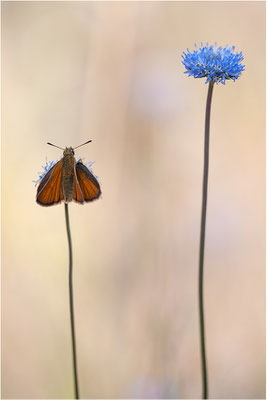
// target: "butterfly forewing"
[[50, 189], [88, 183]]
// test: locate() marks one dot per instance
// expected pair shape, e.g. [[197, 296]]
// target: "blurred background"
[[112, 72]]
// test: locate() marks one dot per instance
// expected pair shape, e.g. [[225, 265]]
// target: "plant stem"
[[202, 242], [71, 305]]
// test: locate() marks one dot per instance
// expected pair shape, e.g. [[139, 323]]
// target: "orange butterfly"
[[67, 180]]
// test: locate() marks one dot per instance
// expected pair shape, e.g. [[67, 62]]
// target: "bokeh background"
[[112, 72]]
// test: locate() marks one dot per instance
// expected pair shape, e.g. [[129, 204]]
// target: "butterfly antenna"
[[54, 145], [82, 144]]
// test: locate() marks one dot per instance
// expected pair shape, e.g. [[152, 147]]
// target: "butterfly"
[[68, 181]]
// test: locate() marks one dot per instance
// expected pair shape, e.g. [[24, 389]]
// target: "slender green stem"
[[71, 305], [202, 243]]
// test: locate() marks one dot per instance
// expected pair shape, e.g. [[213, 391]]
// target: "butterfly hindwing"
[[88, 183], [50, 190]]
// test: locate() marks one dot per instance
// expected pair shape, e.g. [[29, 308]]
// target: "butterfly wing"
[[88, 183], [50, 190]]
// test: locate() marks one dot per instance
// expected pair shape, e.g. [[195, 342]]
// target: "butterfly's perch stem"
[[71, 305]]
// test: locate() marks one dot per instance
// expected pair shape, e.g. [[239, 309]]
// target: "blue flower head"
[[214, 63]]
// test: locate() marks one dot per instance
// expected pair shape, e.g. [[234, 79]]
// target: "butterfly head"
[[68, 151]]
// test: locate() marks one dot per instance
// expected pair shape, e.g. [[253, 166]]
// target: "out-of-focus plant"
[[217, 65]]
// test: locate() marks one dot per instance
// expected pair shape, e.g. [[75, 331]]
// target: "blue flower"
[[214, 63]]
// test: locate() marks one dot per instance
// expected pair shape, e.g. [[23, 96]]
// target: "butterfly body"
[[68, 174], [67, 181]]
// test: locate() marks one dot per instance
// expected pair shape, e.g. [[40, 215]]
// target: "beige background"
[[112, 72]]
